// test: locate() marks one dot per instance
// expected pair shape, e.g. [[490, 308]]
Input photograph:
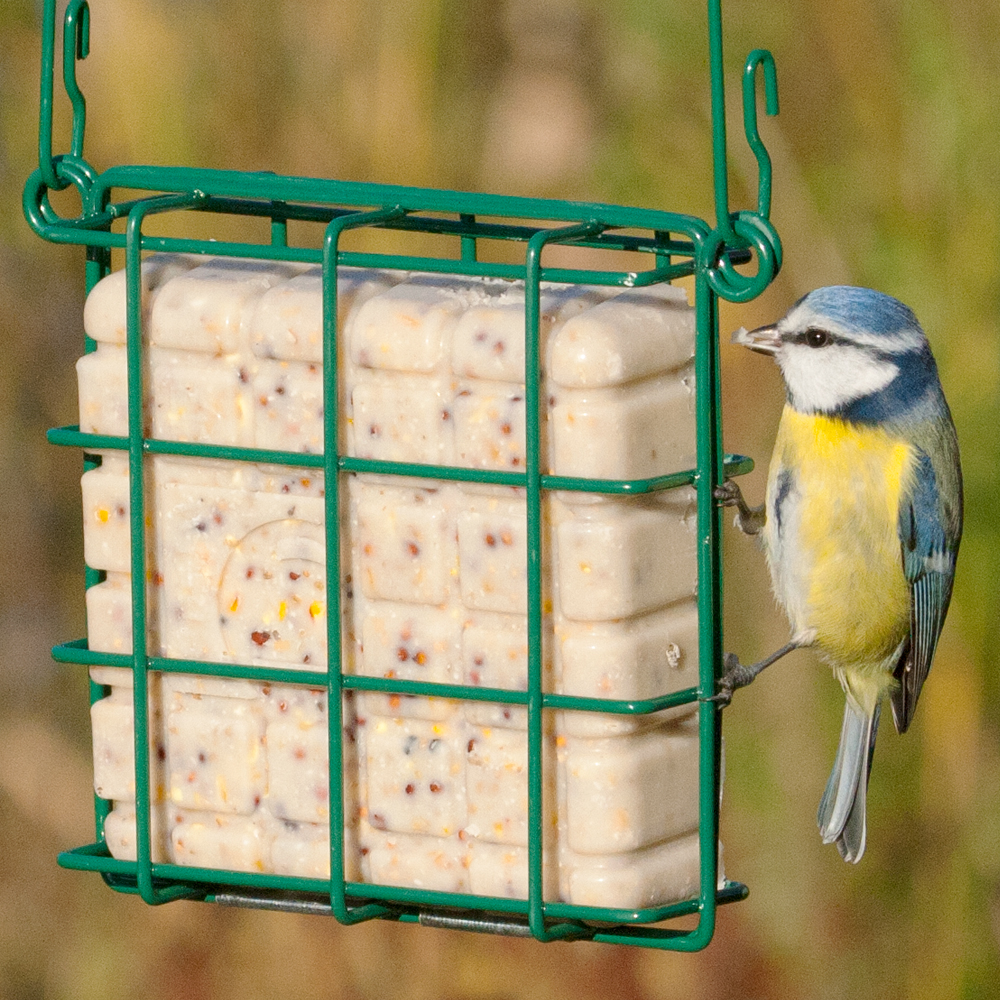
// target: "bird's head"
[[849, 351]]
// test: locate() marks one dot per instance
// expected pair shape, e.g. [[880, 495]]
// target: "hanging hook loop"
[[744, 230], [76, 47], [760, 58], [58, 172]]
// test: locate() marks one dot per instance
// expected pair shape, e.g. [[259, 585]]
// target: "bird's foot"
[[737, 675], [750, 520]]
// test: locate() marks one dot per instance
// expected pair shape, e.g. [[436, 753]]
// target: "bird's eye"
[[816, 338]]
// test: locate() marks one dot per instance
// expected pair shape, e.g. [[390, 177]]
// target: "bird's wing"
[[929, 532]]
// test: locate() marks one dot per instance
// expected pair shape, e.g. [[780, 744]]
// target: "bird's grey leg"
[[750, 520], [739, 675]]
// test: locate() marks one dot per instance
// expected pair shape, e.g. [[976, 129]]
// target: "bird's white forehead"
[[803, 316]]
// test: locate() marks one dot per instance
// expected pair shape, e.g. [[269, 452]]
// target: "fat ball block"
[[429, 370]]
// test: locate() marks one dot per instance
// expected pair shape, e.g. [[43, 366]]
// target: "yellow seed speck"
[[315, 609], [282, 609], [102, 515], [235, 604]]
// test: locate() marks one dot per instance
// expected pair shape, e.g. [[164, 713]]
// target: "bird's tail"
[[841, 814]]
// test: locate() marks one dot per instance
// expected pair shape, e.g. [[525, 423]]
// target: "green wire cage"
[[675, 246]]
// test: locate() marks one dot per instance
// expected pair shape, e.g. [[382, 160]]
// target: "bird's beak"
[[763, 340]]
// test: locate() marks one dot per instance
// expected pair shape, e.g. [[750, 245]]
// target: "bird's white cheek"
[[826, 378]]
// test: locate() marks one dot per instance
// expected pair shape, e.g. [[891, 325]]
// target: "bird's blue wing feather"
[[929, 543]]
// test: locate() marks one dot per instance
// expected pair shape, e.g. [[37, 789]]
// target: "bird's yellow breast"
[[834, 543]]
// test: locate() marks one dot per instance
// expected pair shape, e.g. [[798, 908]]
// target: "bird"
[[862, 519]]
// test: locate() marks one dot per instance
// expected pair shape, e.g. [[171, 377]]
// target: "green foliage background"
[[887, 167]]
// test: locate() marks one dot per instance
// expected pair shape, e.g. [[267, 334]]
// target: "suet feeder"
[[157, 691]]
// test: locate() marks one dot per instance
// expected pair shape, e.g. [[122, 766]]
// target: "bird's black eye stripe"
[[814, 337]]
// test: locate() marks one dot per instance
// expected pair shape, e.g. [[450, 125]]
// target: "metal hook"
[[58, 172], [749, 230], [760, 57], [76, 46]]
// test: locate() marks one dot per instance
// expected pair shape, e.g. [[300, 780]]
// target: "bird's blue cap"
[[861, 310]]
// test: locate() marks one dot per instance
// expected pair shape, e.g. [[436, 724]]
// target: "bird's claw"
[[735, 677], [728, 492], [750, 520]]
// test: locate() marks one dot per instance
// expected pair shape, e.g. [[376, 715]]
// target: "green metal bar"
[[620, 926], [98, 265], [533, 472], [466, 227], [102, 807], [710, 474], [73, 232], [654, 937], [72, 437], [468, 221], [70, 233], [719, 160], [134, 350], [45, 163], [242, 193], [277, 187], [342, 910], [279, 225], [78, 653], [664, 249]]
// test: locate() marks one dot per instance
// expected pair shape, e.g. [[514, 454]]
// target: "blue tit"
[[862, 518]]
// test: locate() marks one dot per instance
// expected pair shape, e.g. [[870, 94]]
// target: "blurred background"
[[886, 172]]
